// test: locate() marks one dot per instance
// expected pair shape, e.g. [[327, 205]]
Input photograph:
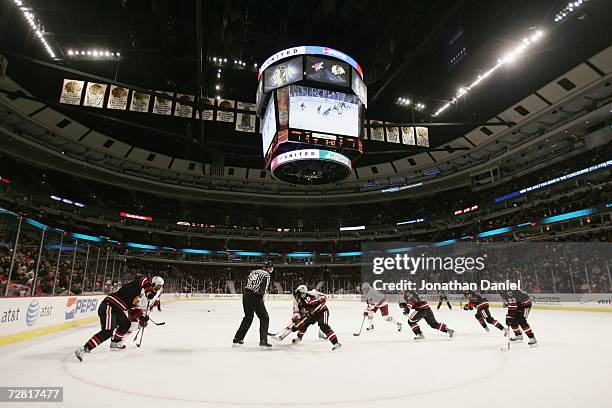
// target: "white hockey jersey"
[[375, 299], [144, 301]]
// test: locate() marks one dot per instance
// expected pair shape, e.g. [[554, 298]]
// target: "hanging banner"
[[246, 106], [140, 102], [377, 133], [94, 95], [393, 135], [223, 116], [181, 110], [71, 92], [162, 106], [422, 136], [117, 98], [408, 135], [245, 122], [227, 103]]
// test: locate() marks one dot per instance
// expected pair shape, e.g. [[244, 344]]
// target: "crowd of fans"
[[70, 270]]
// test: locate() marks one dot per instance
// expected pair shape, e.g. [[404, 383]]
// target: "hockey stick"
[[361, 328], [507, 335], [155, 323], [143, 327]]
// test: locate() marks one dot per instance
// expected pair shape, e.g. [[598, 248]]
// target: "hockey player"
[[376, 301], [481, 304], [310, 307], [417, 309], [114, 316], [152, 303], [519, 306], [443, 298]]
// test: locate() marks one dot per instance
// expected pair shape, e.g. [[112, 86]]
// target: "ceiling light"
[[35, 26], [508, 58], [215, 59]]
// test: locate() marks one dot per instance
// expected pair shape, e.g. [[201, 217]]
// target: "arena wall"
[[26, 317]]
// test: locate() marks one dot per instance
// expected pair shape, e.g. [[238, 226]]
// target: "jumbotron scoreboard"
[[311, 101]]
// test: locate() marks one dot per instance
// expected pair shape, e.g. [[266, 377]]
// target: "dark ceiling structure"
[[423, 50]]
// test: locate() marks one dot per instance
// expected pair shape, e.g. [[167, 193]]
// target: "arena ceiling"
[[403, 47]]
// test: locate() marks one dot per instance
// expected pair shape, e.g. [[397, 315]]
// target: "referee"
[[252, 302]]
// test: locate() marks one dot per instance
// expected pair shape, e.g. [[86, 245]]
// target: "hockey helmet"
[[300, 292], [157, 282]]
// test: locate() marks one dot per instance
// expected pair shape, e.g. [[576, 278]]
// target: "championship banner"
[[246, 106], [393, 135], [140, 102], [94, 95], [377, 133], [245, 122], [162, 106], [223, 116], [227, 103], [118, 97], [422, 136], [408, 135], [71, 92], [181, 110]]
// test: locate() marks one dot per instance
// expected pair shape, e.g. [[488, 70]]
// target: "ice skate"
[[518, 337], [265, 344], [296, 340], [487, 329], [79, 353], [399, 327], [419, 336], [451, 333], [336, 346], [237, 343], [370, 328], [532, 342], [117, 345]]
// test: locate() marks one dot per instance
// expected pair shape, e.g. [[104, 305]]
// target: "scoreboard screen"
[[321, 110], [268, 127]]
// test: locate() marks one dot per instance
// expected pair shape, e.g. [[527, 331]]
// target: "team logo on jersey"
[[32, 314]]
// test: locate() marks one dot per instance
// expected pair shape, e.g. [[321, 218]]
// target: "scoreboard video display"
[[311, 102], [323, 110]]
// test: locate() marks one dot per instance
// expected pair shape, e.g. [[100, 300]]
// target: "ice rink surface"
[[189, 362]]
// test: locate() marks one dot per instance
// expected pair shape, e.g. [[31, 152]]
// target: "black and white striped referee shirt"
[[258, 281]]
